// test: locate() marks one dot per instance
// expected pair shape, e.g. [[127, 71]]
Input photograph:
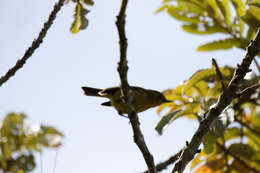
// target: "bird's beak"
[[167, 101]]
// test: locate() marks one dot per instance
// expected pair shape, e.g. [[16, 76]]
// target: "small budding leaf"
[[88, 2], [80, 21]]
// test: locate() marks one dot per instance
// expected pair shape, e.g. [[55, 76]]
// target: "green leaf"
[[227, 43], [213, 6], [251, 20], [208, 142], [195, 162], [88, 2], [191, 6], [182, 113], [242, 150], [225, 9], [6, 149], [202, 29], [80, 21], [165, 120], [240, 8], [205, 74], [255, 3], [251, 33], [162, 8], [231, 133], [255, 11], [180, 15]]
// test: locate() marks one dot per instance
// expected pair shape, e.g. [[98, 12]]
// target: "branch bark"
[[218, 72], [35, 44], [122, 69], [224, 100], [163, 165]]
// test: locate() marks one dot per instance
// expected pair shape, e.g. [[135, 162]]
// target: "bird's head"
[[158, 98]]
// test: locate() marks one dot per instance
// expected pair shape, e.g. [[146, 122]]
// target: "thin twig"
[[248, 90], [128, 98], [247, 126], [163, 165], [237, 158], [35, 44], [224, 100], [257, 65], [214, 62]]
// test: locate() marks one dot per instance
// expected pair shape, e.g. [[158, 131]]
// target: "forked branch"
[[122, 69], [224, 100]]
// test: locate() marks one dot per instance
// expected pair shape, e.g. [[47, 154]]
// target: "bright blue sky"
[[48, 90]]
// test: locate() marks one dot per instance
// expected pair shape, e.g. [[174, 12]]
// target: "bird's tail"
[[88, 91]]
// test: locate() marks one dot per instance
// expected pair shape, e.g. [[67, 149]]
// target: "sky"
[[48, 87]]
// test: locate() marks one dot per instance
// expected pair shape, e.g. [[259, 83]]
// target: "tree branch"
[[247, 126], [128, 98], [257, 65], [224, 100], [214, 62], [35, 44], [248, 90], [163, 165]]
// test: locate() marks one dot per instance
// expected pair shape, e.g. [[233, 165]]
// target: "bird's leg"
[[121, 114]]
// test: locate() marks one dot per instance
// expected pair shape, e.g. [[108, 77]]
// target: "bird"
[[143, 99]]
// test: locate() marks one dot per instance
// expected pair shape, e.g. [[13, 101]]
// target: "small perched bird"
[[143, 98]]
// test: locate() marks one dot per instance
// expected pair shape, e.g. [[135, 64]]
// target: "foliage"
[[192, 98], [237, 19], [237, 130], [19, 141], [80, 21]]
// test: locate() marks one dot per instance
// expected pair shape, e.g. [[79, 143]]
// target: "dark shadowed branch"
[[224, 100], [163, 165], [257, 132], [248, 90], [252, 169], [122, 69], [35, 44], [218, 73]]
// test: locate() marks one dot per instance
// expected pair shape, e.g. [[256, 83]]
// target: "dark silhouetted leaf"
[[208, 142], [164, 121]]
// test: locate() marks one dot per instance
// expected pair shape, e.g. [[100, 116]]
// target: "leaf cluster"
[[237, 126], [80, 12], [18, 142], [233, 142], [237, 19]]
